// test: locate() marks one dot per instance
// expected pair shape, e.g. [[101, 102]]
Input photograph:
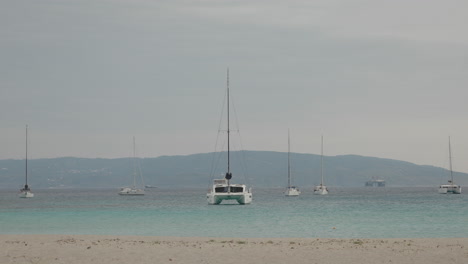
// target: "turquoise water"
[[345, 213]]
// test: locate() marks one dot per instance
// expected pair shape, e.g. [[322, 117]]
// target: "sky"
[[380, 78]]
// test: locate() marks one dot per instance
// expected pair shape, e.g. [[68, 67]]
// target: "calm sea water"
[[345, 213]]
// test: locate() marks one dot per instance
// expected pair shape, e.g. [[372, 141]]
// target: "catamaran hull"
[[292, 192], [320, 191], [129, 191], [450, 189], [26, 195], [245, 198], [130, 194]]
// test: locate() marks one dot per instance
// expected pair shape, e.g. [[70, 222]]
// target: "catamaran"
[[26, 192], [321, 189], [223, 189], [133, 190], [451, 187], [291, 190]]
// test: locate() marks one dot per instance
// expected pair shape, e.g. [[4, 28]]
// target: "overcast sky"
[[376, 78]]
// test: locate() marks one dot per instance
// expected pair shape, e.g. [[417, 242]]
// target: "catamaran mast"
[[321, 163], [228, 174], [134, 164], [450, 161], [289, 166], [228, 131], [26, 186]]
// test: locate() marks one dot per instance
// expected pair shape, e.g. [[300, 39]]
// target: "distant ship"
[[150, 186], [375, 182]]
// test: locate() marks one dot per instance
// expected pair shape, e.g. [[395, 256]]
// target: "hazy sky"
[[377, 78]]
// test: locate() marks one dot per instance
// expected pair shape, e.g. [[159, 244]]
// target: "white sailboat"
[[133, 190], [26, 192], [321, 189], [222, 189], [291, 190], [451, 187]]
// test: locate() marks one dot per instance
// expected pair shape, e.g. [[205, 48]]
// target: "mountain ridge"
[[261, 169]]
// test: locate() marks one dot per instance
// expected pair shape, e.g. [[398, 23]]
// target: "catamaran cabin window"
[[221, 189], [237, 189], [232, 189]]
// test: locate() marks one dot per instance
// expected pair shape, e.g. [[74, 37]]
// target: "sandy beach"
[[128, 249]]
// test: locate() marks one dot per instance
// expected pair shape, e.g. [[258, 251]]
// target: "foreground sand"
[[133, 250]]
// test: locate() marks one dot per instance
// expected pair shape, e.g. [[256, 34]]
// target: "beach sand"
[[72, 249]]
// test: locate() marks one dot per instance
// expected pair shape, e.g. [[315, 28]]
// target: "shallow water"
[[344, 213]]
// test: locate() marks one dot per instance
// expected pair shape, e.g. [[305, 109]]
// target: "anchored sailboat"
[[222, 189], [451, 187], [291, 190], [321, 189], [133, 190], [26, 192]]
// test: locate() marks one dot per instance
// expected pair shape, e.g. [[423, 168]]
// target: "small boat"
[[291, 190], [223, 189], [150, 186], [26, 192], [133, 190], [375, 182], [450, 187], [321, 189]]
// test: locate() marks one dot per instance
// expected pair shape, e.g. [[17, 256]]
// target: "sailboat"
[[291, 190], [25, 192], [321, 189], [451, 187], [133, 190], [222, 189]]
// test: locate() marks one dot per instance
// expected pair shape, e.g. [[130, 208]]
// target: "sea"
[[367, 212]]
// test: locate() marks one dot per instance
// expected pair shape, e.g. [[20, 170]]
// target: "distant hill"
[[262, 169]]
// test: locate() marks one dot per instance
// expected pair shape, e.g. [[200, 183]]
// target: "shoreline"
[[154, 249]]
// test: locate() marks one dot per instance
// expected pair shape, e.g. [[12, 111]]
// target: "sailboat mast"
[[321, 163], [450, 160], [134, 164], [289, 166], [26, 156], [228, 131]]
